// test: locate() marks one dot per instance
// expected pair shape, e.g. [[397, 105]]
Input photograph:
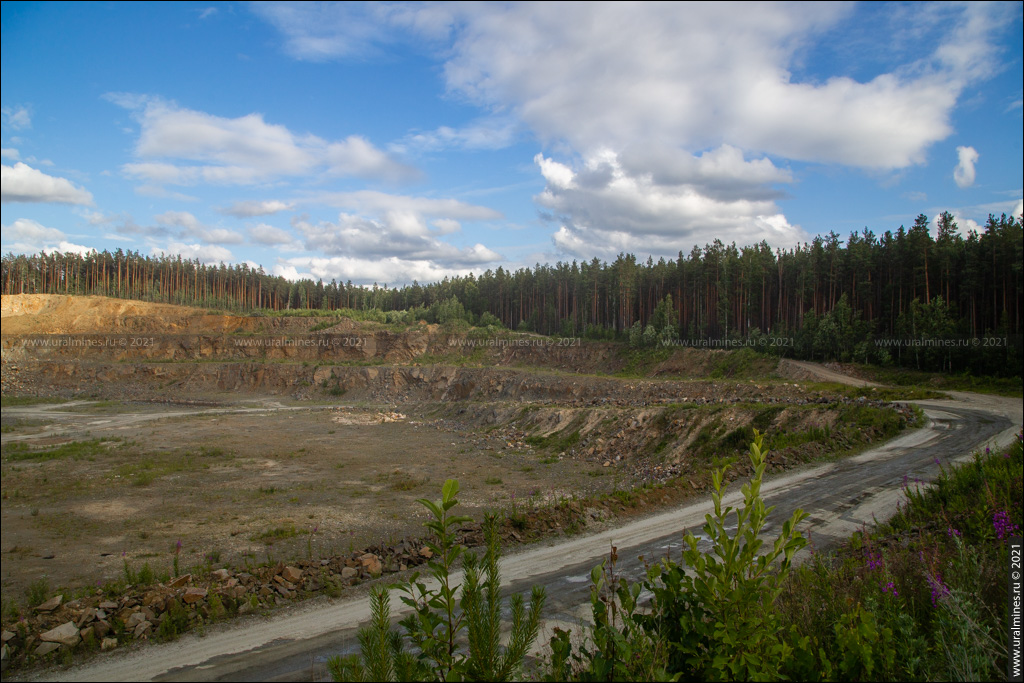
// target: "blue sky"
[[391, 142]]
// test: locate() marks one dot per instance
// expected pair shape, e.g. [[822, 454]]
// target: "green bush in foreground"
[[929, 584], [714, 622], [440, 620]]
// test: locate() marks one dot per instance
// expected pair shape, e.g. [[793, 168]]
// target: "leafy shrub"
[[436, 625], [714, 622]]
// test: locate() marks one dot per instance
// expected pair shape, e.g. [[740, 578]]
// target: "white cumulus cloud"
[[253, 208], [392, 271], [605, 207], [269, 235], [205, 253], [964, 173], [22, 183], [26, 236], [668, 124], [185, 147], [189, 227]]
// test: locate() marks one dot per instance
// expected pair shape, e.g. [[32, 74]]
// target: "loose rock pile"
[[104, 621]]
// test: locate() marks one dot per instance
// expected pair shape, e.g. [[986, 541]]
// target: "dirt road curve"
[[839, 497]]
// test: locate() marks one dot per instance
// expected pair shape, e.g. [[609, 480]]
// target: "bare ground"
[[276, 483]]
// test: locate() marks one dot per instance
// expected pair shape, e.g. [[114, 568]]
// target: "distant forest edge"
[[875, 299]]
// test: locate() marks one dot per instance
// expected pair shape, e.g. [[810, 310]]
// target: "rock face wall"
[[386, 383]]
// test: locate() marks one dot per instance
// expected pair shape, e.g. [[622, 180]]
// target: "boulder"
[[179, 581], [87, 616], [51, 604], [193, 595], [134, 620], [292, 574], [65, 634], [371, 564], [100, 629], [46, 648]]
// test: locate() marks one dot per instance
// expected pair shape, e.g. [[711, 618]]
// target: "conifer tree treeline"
[[834, 299]]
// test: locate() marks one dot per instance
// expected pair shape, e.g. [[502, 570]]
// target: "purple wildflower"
[[939, 589], [872, 560], [951, 532], [890, 586], [1003, 526]]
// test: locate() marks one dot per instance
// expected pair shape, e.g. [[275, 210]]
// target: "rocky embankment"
[[119, 614]]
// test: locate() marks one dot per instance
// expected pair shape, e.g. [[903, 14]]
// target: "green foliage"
[[620, 645], [17, 401], [38, 592], [863, 650], [174, 623], [712, 621], [456, 635], [19, 451], [923, 596], [451, 313], [382, 655]]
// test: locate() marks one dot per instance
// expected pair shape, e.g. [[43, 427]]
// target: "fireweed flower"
[[951, 532], [1003, 526], [872, 560], [890, 587], [939, 589]]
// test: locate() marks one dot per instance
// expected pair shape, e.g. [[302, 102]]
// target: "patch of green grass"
[[556, 441], [492, 481], [706, 436], [38, 592], [403, 482], [93, 407], [627, 498], [77, 450], [924, 381], [639, 362], [742, 363], [280, 533], [885, 422], [789, 439], [323, 325], [15, 401], [12, 425]]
